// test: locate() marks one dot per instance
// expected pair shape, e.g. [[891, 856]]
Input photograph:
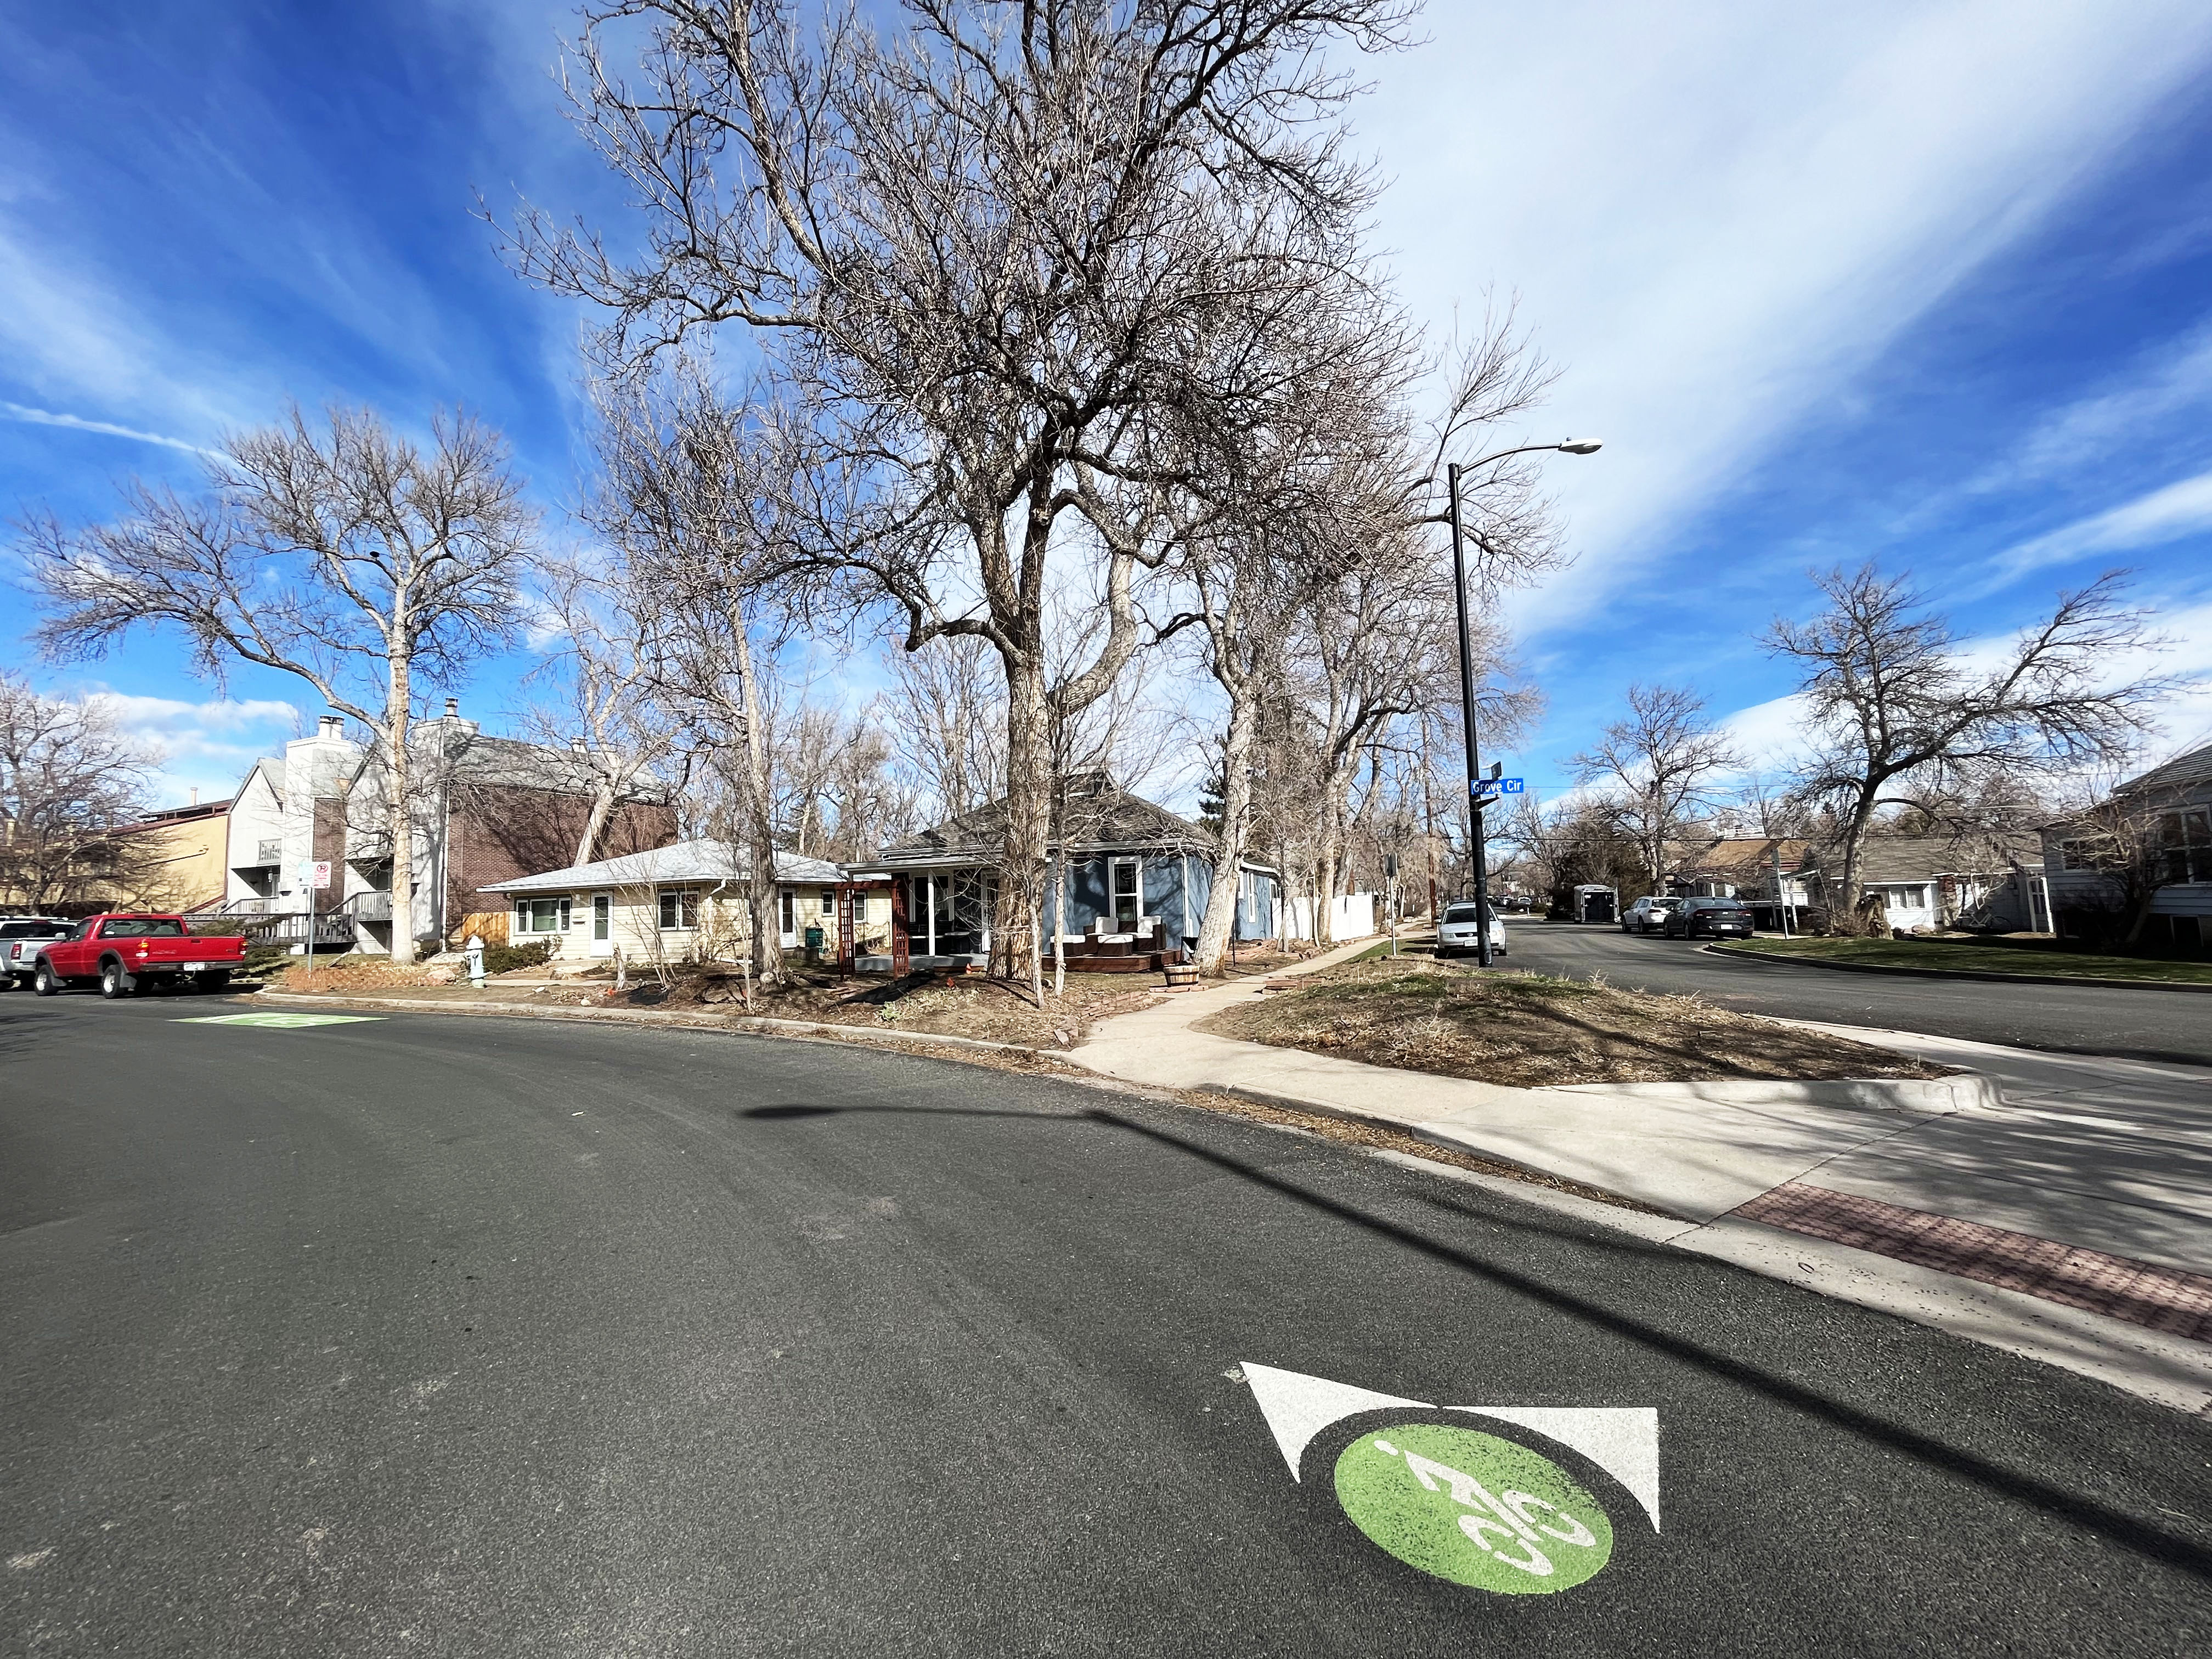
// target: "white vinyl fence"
[[1351, 916]]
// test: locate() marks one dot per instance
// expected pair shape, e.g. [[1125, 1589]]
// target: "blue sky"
[[1928, 283]]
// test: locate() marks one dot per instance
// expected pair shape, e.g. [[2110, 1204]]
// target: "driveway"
[[2147, 1026]]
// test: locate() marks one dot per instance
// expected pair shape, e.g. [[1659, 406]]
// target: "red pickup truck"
[[128, 953]]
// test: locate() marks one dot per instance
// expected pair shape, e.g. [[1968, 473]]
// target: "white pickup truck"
[[19, 939]]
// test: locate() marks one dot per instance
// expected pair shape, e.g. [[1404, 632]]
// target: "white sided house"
[[680, 903]]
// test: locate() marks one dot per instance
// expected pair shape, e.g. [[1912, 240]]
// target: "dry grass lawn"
[[1528, 1030]]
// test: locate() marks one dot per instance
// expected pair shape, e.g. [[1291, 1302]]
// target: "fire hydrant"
[[474, 949]]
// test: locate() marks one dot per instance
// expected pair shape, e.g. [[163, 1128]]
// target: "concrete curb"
[[1961, 973], [1962, 1092]]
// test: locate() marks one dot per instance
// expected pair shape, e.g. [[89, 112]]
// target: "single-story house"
[[2160, 822], [1939, 882], [1764, 872], [1137, 879], [682, 903]]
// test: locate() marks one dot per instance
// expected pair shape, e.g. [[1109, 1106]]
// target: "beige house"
[[682, 903]]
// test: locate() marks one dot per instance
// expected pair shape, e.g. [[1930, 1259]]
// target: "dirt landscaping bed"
[[965, 1005], [1529, 1030]]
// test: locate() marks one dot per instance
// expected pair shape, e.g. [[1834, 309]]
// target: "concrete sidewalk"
[[2020, 1203], [1694, 1150]]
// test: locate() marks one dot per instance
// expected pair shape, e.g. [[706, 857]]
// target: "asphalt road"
[[443, 1336], [2089, 1020]]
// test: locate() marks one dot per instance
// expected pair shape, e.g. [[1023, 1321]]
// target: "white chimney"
[[194, 791], [453, 708], [331, 726]]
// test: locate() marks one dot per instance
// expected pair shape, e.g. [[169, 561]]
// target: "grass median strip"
[[1530, 1030], [1977, 957]]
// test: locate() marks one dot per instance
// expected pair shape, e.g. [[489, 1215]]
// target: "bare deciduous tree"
[[1658, 769], [1898, 713], [681, 499], [948, 722], [602, 708], [348, 557], [1004, 268], [69, 777]]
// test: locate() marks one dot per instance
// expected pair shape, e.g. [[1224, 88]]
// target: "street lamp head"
[[1581, 447]]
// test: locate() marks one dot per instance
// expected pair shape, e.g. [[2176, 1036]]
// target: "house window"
[[788, 917], [2185, 847], [1129, 877], [1245, 886], [543, 915], [603, 916], [828, 901], [1912, 898], [679, 908]]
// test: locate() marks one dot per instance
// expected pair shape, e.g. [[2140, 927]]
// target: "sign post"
[[314, 876]]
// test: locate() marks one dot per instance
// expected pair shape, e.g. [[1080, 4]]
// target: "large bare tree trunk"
[[1029, 813], [760, 827], [1220, 919], [396, 710], [595, 825]]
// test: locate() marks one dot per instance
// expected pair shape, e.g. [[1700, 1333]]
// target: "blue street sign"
[[1486, 787]]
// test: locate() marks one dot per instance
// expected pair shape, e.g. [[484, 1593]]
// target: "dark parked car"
[[1711, 918]]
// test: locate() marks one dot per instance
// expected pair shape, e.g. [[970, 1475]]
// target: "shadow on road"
[[2142, 1537]]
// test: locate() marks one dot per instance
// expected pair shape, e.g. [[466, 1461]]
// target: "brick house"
[[486, 810]]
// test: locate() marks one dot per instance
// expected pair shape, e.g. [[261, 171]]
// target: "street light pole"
[[1478, 851]]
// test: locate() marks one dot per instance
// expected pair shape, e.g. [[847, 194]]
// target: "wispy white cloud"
[[78, 424], [2167, 514], [206, 747], [2173, 378], [1718, 211]]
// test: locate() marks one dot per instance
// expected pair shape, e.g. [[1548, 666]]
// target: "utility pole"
[[1477, 855], [1475, 833]]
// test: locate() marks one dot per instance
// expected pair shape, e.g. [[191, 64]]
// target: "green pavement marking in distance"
[[1473, 1509], [280, 1022]]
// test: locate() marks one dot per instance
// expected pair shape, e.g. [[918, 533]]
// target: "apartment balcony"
[[330, 928]]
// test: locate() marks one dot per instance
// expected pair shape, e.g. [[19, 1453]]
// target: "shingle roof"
[[504, 763], [2182, 772], [686, 861], [1751, 855], [1100, 814], [1923, 858]]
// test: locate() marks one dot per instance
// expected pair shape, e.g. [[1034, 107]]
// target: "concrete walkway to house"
[[2055, 1204], [1694, 1150]]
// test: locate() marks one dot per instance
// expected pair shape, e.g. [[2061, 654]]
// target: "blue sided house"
[[1126, 890]]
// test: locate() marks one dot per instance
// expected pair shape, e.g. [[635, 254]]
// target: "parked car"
[[126, 953], [19, 939], [1713, 918], [1647, 915], [1456, 935]]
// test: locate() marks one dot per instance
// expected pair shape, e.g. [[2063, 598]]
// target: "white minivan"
[[1455, 935]]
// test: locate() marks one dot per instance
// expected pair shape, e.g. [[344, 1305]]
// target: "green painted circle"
[[1463, 1505]]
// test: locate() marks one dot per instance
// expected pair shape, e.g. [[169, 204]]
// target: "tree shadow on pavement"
[[2142, 1537]]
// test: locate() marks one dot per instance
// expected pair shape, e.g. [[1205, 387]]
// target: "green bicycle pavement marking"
[[280, 1022], [1473, 1509]]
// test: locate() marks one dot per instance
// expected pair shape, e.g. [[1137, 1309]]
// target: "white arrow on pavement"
[[1622, 1440]]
